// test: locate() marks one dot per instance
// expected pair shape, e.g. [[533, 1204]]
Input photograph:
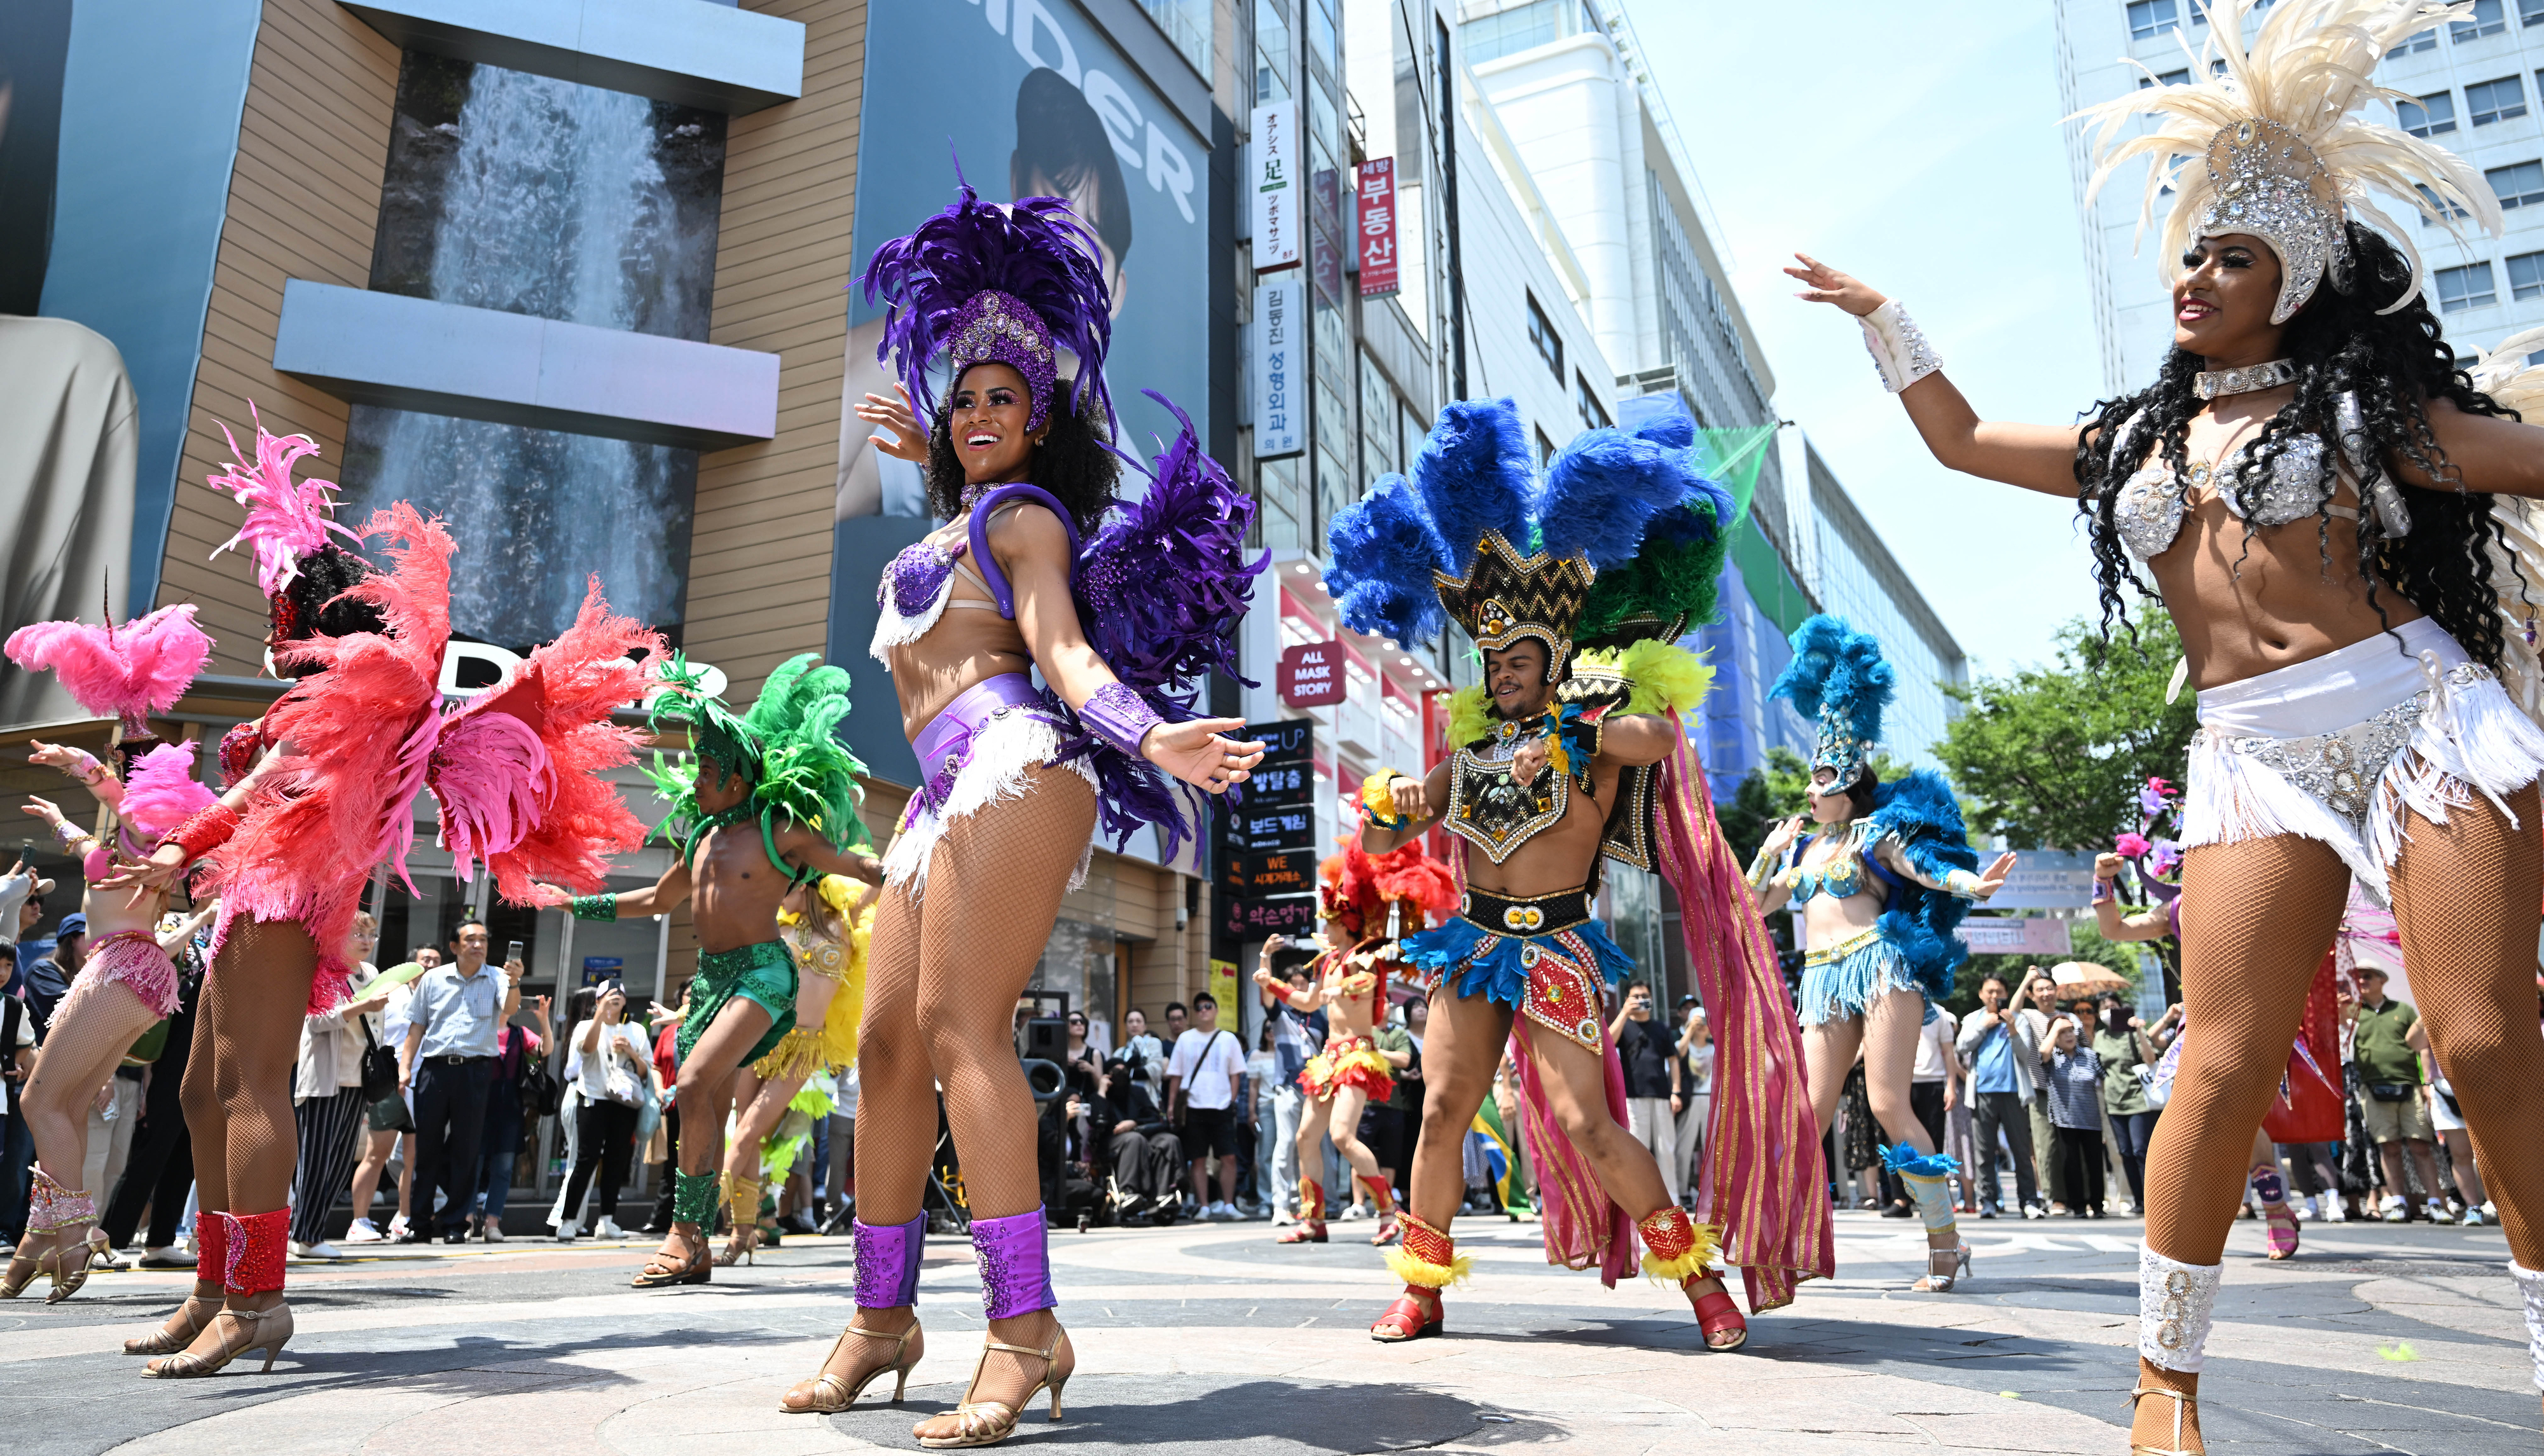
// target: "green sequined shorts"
[[763, 973]]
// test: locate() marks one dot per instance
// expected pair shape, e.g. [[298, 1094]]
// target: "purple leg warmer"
[[1016, 1263], [888, 1263]]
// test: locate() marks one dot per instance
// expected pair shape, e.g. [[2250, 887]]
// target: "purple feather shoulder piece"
[[1161, 588]]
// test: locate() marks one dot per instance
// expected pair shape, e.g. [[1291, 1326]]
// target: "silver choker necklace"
[[2208, 384]]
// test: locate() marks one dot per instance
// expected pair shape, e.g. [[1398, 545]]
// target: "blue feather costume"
[[1838, 677]]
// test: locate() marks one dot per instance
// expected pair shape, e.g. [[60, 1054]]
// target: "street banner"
[[2028, 935], [1280, 378], [1378, 227], [1275, 150], [2047, 879]]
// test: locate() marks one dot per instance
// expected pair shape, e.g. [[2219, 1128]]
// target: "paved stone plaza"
[[1210, 1338]]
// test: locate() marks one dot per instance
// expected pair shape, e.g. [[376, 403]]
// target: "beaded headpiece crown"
[[2285, 154], [1838, 677]]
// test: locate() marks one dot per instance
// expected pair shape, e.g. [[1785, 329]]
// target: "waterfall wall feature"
[[539, 197]]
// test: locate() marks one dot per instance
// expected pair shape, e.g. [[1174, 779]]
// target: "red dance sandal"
[[1716, 1313], [1406, 1318], [2280, 1232], [1305, 1231]]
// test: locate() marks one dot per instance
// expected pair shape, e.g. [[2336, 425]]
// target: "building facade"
[[583, 298]]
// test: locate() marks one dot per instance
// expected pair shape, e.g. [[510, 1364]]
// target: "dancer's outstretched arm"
[[1032, 548], [659, 899], [1419, 803], [2037, 457]]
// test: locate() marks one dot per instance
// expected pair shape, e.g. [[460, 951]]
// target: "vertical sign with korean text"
[[1279, 381], [1377, 227], [1276, 185]]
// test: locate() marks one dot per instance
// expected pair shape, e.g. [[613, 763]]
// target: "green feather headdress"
[[786, 744]]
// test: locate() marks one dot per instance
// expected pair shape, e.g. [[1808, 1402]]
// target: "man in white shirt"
[[1206, 1083]]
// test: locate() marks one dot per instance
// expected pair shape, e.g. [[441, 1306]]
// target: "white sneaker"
[[1281, 1218], [320, 1250], [608, 1229], [2034, 1210], [2437, 1212], [2302, 1210], [300, 1249], [2472, 1218], [1356, 1211], [565, 1235], [397, 1227], [362, 1232], [2395, 1211]]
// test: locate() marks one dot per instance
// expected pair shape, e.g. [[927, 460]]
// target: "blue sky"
[[1917, 148]]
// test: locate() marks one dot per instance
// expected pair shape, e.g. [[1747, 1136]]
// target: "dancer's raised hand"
[[1825, 284], [908, 441], [1199, 752], [1993, 877]]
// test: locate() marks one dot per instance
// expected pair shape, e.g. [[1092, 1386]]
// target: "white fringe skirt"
[[1002, 752], [2341, 748]]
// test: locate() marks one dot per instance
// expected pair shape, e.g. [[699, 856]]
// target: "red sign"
[[1378, 227], [1311, 674]]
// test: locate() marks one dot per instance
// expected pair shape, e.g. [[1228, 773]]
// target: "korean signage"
[[1267, 880], [2028, 935], [1280, 374], [1378, 227], [1277, 223], [1311, 674]]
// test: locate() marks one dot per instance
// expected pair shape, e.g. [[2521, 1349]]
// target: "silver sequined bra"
[[2152, 501], [2341, 769]]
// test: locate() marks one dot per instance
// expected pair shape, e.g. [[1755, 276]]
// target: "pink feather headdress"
[[126, 672], [285, 520]]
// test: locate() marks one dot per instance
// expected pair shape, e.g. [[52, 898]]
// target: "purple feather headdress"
[[987, 283]]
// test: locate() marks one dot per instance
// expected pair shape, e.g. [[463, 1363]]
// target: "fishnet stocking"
[[2256, 916], [941, 988], [2465, 897], [237, 1093]]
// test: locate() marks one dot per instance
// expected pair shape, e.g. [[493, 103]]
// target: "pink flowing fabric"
[[1763, 1181], [1581, 1226]]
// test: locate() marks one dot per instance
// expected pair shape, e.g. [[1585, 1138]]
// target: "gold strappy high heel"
[[14, 1282], [180, 1330], [742, 1202], [265, 1330], [826, 1394], [987, 1423], [2179, 1398]]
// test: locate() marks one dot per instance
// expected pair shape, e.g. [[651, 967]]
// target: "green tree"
[[2053, 757]]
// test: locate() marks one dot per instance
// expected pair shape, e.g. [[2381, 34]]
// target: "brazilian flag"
[[1498, 1158]]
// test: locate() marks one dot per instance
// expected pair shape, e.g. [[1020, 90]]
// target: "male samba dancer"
[[1567, 758]]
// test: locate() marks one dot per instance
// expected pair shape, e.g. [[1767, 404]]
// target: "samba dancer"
[[2326, 559], [1879, 890], [319, 795], [1565, 760], [1018, 777], [1365, 906]]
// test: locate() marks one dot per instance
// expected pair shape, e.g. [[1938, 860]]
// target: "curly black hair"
[[315, 596], [1074, 462], [2394, 363]]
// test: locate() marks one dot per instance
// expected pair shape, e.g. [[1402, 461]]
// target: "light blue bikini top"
[[1839, 878]]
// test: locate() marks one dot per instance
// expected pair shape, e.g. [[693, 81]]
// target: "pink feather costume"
[[515, 770]]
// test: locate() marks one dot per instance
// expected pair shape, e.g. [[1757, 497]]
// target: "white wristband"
[[1898, 347]]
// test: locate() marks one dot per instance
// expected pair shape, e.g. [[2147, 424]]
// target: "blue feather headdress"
[[1474, 537], [1837, 676], [990, 284]]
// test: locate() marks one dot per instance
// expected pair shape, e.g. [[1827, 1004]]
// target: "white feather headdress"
[[2282, 148]]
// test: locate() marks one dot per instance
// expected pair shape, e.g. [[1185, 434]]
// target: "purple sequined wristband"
[[1118, 716]]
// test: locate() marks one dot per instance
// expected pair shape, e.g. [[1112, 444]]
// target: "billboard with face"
[[1029, 98]]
